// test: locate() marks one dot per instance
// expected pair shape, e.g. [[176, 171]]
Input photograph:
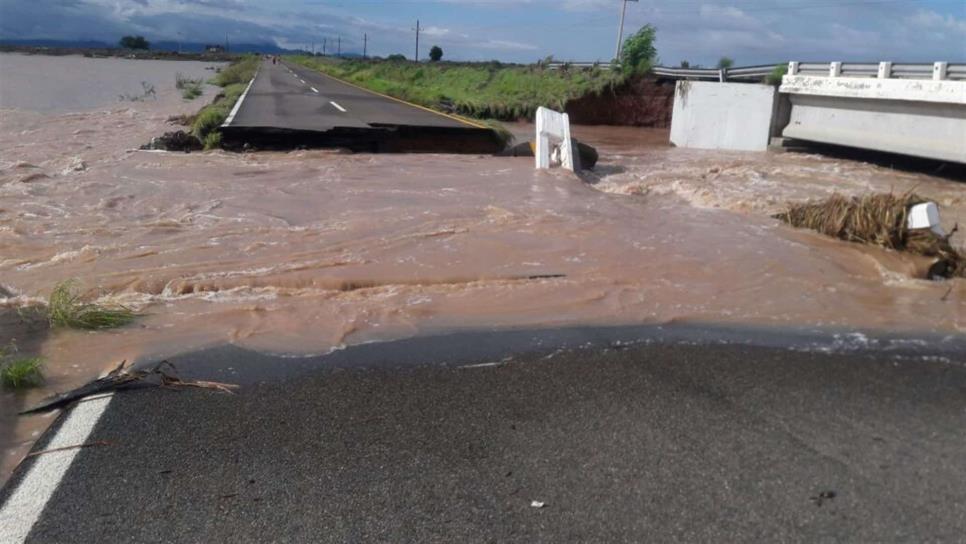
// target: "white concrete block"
[[925, 216], [709, 115]]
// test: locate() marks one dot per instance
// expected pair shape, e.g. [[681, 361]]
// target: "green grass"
[[23, 372], [240, 71], [213, 115], [481, 90], [233, 80], [66, 308], [213, 140]]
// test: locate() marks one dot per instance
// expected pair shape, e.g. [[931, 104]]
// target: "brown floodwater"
[[304, 252]]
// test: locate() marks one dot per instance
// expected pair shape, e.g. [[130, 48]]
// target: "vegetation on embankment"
[[233, 80], [482, 90]]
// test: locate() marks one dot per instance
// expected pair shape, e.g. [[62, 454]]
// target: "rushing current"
[[304, 252]]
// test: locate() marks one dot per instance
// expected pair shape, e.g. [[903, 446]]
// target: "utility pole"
[[323, 45], [365, 45], [313, 48], [339, 54], [227, 49], [620, 30], [417, 41]]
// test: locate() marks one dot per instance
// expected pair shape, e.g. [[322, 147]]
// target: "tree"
[[639, 54], [685, 64], [134, 42], [725, 62], [435, 53]]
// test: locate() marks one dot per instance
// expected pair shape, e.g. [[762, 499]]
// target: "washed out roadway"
[[451, 439], [290, 101]]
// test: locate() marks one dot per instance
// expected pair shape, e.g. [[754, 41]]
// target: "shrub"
[[776, 75], [639, 55], [134, 42]]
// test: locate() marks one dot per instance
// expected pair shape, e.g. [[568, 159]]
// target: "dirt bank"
[[639, 102]]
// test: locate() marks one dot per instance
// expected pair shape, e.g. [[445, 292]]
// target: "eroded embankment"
[[639, 102]]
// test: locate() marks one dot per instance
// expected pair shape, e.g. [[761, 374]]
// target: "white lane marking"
[[234, 111], [303, 81], [27, 503], [314, 90], [338, 107]]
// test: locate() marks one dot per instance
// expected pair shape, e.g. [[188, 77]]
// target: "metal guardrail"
[[756, 73], [956, 72]]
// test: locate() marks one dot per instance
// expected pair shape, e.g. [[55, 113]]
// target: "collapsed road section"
[[289, 106]]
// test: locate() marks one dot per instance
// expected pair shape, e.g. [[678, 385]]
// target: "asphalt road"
[[291, 97], [623, 435]]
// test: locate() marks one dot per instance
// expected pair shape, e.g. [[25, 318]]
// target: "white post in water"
[[554, 127]]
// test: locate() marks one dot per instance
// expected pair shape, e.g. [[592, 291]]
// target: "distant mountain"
[[186, 47]]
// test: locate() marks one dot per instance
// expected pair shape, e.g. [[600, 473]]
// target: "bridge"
[[915, 109], [912, 109]]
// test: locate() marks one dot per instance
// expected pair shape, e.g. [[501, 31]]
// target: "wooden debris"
[[123, 377]]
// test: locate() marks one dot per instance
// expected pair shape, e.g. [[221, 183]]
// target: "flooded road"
[[308, 251]]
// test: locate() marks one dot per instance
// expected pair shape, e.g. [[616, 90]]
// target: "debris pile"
[[178, 140], [880, 220]]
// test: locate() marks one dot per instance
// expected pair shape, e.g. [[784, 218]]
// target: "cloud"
[[931, 20], [751, 31]]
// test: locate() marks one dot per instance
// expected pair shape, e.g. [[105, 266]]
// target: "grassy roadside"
[[481, 90], [233, 80]]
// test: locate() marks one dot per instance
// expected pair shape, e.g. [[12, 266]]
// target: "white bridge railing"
[[897, 70]]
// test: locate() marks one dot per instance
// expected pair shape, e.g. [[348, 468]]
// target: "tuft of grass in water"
[[66, 308], [190, 93], [190, 88], [23, 372]]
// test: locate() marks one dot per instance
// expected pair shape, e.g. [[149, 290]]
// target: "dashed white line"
[[27, 503], [314, 90], [338, 107]]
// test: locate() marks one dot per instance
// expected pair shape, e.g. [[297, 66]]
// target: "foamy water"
[[309, 251]]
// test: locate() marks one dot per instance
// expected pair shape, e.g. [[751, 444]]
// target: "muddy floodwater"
[[304, 252]]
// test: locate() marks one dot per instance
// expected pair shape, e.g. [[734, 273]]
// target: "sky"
[[699, 31]]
